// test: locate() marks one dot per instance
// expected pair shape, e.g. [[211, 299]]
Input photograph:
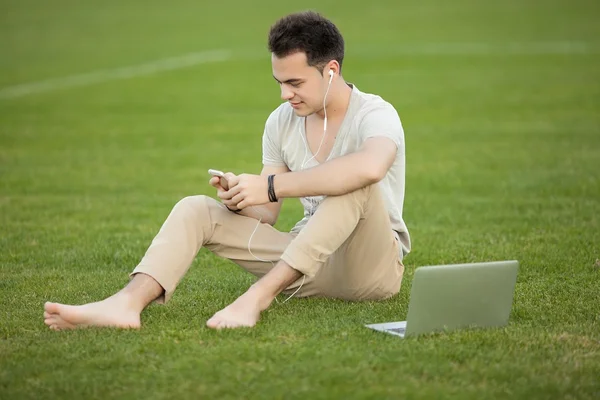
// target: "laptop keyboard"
[[398, 330]]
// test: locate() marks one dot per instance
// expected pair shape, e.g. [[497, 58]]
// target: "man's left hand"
[[249, 190]]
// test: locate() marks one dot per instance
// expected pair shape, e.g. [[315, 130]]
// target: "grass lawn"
[[500, 103]]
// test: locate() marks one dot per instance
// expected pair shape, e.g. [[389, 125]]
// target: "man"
[[339, 150]]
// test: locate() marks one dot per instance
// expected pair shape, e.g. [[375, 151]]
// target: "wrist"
[[271, 189], [279, 185]]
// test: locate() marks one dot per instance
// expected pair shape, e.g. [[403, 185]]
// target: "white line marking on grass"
[[166, 64], [374, 51]]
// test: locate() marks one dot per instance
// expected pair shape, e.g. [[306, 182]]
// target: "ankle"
[[127, 301], [261, 295]]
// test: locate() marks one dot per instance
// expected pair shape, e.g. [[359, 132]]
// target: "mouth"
[[296, 105]]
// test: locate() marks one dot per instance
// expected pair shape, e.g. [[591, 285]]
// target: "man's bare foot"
[[243, 312], [114, 311]]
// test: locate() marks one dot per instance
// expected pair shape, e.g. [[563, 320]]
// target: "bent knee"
[[193, 205]]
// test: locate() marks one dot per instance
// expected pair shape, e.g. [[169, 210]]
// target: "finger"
[[234, 190], [224, 183], [219, 188], [232, 179], [216, 184], [238, 198], [224, 194], [229, 203]]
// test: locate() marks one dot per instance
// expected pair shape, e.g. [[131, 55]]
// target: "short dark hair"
[[307, 32]]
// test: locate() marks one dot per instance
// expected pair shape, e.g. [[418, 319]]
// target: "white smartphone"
[[220, 174], [216, 172]]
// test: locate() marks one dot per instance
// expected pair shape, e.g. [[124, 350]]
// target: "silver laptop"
[[448, 297]]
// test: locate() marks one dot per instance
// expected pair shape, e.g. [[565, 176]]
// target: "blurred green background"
[[500, 105]]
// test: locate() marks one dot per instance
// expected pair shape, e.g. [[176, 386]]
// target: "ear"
[[331, 67]]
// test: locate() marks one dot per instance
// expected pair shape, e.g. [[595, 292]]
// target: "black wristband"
[[271, 190], [235, 211]]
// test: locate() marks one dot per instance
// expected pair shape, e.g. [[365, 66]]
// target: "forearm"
[[262, 213], [336, 177]]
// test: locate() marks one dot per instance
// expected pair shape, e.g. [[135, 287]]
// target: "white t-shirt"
[[284, 143]]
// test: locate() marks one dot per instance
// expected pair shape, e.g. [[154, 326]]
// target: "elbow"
[[271, 217], [374, 168], [374, 174]]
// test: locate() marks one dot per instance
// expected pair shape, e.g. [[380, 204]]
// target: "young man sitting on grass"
[[339, 150]]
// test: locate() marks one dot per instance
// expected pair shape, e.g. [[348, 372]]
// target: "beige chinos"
[[347, 249]]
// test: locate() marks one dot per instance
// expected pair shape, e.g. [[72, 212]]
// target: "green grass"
[[503, 161]]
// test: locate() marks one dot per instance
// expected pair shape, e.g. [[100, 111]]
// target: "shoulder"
[[372, 104], [377, 117], [280, 119]]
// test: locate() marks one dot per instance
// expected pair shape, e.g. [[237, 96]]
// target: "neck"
[[337, 101]]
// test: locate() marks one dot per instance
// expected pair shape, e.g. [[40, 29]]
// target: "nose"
[[286, 93]]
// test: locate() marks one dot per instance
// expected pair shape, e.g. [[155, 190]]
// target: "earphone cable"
[[302, 167]]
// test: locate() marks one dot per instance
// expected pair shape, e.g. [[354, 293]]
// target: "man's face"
[[301, 85]]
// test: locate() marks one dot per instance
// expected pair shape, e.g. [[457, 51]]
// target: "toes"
[[227, 324], [222, 325], [50, 320], [213, 323], [56, 323], [46, 314], [216, 323], [62, 324], [51, 308], [225, 320]]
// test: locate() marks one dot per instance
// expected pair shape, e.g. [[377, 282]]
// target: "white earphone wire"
[[324, 122], [302, 167], [263, 260]]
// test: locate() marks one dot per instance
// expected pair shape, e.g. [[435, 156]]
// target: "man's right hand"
[[267, 213], [222, 187]]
